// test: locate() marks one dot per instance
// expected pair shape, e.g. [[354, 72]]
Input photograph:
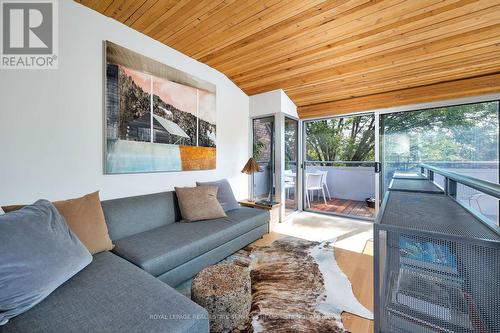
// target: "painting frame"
[[199, 157]]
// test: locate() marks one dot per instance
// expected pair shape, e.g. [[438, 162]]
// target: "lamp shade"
[[251, 167]]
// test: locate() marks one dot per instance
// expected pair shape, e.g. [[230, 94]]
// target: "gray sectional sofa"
[[131, 288]]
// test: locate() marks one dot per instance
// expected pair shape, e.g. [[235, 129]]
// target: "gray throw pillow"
[[224, 195], [38, 253]]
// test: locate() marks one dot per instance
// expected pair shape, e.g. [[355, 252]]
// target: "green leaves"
[[457, 133], [341, 139]]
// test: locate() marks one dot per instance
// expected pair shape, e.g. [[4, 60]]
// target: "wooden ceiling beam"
[[447, 90]]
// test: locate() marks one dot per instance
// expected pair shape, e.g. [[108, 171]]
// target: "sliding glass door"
[[462, 139], [264, 182], [339, 166], [291, 162]]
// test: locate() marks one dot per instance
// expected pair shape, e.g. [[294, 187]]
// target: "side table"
[[274, 211]]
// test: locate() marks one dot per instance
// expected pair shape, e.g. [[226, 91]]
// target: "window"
[[462, 139]]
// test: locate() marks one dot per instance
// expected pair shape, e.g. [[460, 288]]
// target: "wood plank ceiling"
[[334, 56]]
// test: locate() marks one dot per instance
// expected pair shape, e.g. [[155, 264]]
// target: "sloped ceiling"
[[335, 56]]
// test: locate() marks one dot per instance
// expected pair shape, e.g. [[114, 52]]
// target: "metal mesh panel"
[[437, 285], [432, 212], [414, 185], [439, 180]]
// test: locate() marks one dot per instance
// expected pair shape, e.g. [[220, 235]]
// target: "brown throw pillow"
[[85, 218], [199, 203], [11, 208]]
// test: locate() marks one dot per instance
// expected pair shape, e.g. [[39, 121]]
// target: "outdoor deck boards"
[[340, 206]]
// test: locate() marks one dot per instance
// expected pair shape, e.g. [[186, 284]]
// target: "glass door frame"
[[279, 159], [298, 180], [378, 151], [251, 187], [376, 161]]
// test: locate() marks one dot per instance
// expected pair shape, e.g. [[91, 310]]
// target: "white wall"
[[272, 102], [51, 122], [288, 107], [350, 183], [276, 103], [265, 104]]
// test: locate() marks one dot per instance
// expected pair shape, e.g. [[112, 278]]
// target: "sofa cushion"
[[132, 215], [112, 295], [38, 253], [161, 249], [224, 194]]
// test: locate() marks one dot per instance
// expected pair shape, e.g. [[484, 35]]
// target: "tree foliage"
[[341, 139], [457, 133]]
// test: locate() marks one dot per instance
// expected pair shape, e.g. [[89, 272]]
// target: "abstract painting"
[[157, 118]]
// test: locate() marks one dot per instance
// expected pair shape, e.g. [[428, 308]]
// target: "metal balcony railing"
[[451, 182], [341, 163], [436, 261]]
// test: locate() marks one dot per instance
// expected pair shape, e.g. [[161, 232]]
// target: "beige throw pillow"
[[199, 203], [85, 218]]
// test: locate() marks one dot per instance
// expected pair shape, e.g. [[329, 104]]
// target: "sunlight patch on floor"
[[353, 235]]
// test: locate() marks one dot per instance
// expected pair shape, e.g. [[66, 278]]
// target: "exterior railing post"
[[451, 188]]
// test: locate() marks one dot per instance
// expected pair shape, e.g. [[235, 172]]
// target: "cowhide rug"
[[297, 286]]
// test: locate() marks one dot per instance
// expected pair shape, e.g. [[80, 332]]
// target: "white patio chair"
[[313, 183], [289, 182], [289, 186], [476, 197], [324, 182]]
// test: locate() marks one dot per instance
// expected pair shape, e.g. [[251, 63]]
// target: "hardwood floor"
[[359, 269]]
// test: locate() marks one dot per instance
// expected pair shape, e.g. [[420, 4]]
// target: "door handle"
[[378, 167]]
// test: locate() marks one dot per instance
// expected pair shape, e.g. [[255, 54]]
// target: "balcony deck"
[[352, 208]]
